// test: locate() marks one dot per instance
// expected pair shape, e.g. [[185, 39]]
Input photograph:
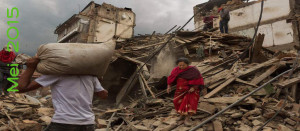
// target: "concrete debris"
[[283, 128], [224, 85], [136, 78], [23, 112], [101, 123], [217, 125], [145, 105], [237, 115], [257, 123]]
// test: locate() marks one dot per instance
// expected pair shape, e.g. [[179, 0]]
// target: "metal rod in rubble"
[[235, 103], [177, 28], [170, 30]]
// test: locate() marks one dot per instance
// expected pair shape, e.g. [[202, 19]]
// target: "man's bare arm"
[[32, 86], [102, 94], [24, 83]]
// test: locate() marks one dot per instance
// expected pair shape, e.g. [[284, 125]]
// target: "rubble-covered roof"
[[214, 3], [75, 15]]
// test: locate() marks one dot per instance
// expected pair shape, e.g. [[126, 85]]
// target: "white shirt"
[[72, 97]]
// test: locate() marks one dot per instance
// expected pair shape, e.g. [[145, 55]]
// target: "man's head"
[[203, 14], [220, 9], [7, 48]]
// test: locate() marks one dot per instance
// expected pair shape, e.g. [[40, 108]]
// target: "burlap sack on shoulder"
[[75, 58]]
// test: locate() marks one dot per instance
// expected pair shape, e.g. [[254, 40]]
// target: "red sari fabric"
[[186, 102], [7, 57]]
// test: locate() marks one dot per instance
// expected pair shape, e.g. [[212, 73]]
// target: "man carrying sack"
[[71, 96]]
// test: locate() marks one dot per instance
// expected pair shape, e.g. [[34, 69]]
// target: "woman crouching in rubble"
[[188, 80]]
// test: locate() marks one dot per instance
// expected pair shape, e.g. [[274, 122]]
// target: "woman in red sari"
[[188, 80]]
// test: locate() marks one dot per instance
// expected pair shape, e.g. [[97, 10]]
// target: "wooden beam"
[[217, 125], [256, 56], [131, 60], [218, 66], [278, 91], [245, 82], [127, 87], [184, 39], [219, 88], [216, 84], [294, 92], [129, 123], [290, 98], [196, 38], [289, 82], [223, 54], [6, 125], [217, 77], [142, 85], [152, 35], [263, 76], [146, 84], [146, 46], [206, 107], [172, 126], [179, 41], [186, 51], [153, 113], [257, 67], [11, 120], [229, 100]]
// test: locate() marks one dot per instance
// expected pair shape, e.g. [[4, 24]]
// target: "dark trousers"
[[4, 83], [67, 127], [207, 27], [224, 26]]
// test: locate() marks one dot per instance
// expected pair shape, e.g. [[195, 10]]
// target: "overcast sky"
[[39, 18]]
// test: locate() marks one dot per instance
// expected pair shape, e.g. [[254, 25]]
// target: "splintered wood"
[[228, 76], [22, 114]]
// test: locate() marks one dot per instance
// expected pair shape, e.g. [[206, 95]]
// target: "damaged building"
[[97, 23], [136, 78], [280, 20]]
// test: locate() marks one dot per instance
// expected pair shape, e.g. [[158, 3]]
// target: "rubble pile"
[[24, 113], [235, 4], [137, 76], [189, 43], [227, 79], [159, 114], [142, 46], [229, 69]]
